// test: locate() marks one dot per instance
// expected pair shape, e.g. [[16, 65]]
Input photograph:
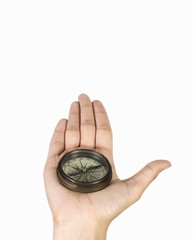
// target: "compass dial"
[[84, 169]]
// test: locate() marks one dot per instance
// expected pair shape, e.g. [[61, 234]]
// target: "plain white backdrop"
[[134, 56]]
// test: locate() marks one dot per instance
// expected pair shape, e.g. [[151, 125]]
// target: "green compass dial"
[[84, 169]]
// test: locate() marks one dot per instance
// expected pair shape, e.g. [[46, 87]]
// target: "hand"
[[88, 215]]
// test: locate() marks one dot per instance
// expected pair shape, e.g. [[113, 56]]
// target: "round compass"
[[84, 170]]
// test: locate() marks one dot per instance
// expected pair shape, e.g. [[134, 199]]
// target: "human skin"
[[83, 216]]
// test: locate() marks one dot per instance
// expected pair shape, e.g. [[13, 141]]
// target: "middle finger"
[[87, 122]]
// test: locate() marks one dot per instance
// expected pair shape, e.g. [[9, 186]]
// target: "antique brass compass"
[[84, 170]]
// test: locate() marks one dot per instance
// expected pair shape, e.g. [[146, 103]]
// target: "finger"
[[72, 136], [103, 128], [87, 122], [140, 181], [57, 145]]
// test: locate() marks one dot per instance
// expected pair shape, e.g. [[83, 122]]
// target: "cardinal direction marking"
[[86, 179], [81, 164], [90, 166], [91, 176], [76, 168], [78, 178]]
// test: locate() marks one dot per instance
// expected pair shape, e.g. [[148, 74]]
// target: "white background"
[[134, 56]]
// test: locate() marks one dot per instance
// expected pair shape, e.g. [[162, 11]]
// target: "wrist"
[[79, 230]]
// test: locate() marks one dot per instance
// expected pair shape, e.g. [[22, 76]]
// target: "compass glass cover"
[[84, 169]]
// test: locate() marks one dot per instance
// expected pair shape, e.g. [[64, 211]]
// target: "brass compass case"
[[84, 170]]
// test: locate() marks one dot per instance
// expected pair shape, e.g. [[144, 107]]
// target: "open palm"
[[88, 127]]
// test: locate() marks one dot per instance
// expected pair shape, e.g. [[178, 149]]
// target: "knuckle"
[[86, 106], [72, 128], [104, 127], [150, 168], [88, 122]]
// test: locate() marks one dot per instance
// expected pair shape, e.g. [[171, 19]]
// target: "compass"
[[84, 170]]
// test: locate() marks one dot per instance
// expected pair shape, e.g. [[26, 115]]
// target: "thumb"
[[137, 184]]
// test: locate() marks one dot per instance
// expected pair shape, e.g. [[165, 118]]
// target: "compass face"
[[84, 169]]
